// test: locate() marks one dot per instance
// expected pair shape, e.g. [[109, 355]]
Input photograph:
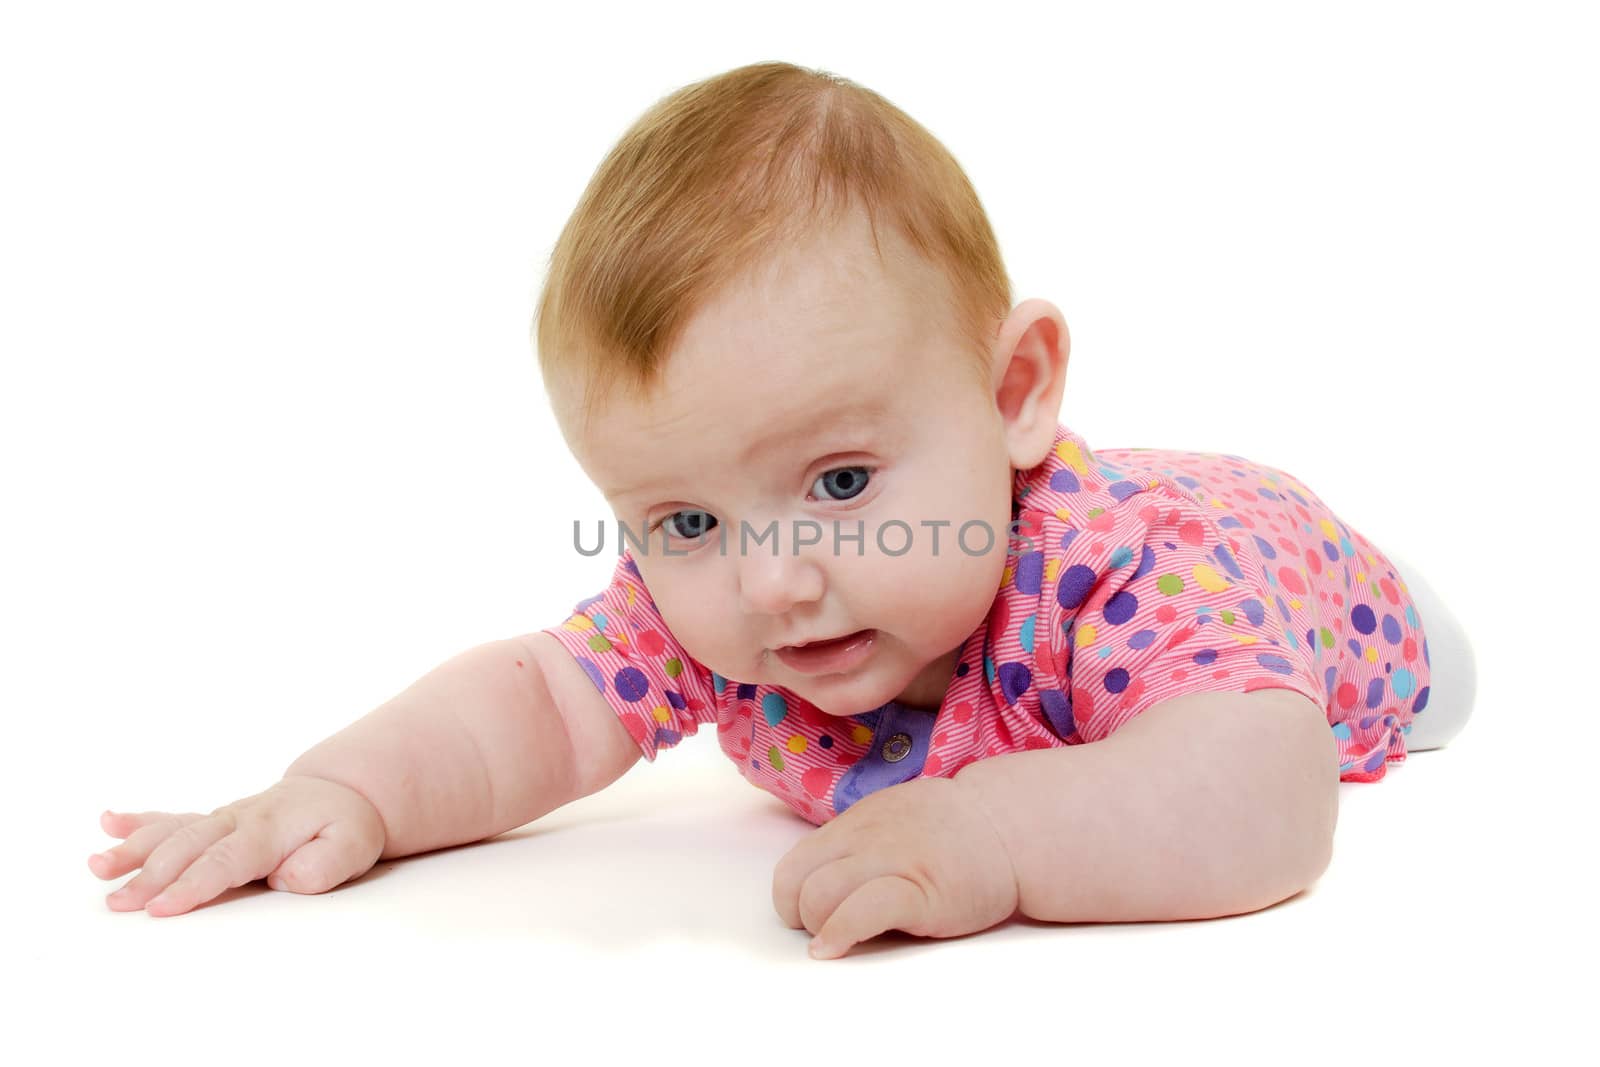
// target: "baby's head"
[[777, 316]]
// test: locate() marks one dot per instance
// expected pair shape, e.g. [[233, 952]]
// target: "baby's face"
[[823, 391]]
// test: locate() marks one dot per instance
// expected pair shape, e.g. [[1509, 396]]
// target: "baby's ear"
[[1031, 368]]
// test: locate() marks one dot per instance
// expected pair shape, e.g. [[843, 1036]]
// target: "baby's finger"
[[118, 860], [123, 823], [171, 857], [327, 860], [234, 860], [883, 904], [110, 822]]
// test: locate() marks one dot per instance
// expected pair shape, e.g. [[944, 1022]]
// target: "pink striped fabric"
[[1147, 574]]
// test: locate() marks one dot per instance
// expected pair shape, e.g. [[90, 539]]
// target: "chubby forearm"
[[472, 749], [1209, 804]]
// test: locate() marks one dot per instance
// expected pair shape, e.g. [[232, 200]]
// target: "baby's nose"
[[771, 585]]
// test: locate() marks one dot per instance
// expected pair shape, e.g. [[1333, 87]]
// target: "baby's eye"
[[841, 483], [689, 523]]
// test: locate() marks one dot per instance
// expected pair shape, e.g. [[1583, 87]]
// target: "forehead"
[[825, 332]]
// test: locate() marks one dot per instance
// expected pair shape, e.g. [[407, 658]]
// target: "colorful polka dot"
[[1014, 678], [1029, 573], [1121, 608], [1025, 634], [1074, 585], [631, 683]]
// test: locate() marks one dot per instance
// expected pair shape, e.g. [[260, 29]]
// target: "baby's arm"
[[489, 740], [495, 738], [1204, 805]]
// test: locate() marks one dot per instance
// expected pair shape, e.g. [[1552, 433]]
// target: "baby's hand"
[[304, 834], [920, 856]]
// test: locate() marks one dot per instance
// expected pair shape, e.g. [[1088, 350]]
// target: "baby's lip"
[[828, 655], [818, 640]]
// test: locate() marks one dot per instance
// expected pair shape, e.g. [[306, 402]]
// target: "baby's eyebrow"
[[860, 415], [864, 415]]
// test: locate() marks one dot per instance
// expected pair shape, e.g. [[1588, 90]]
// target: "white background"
[[274, 445]]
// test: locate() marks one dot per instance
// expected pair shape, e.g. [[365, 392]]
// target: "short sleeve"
[[1153, 601], [658, 690]]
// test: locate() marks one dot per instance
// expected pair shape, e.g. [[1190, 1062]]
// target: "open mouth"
[[829, 657]]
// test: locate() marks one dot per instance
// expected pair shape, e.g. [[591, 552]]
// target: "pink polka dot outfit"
[[1138, 575]]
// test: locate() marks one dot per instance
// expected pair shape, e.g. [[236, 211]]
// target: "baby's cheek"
[[704, 625], [945, 598], [713, 640]]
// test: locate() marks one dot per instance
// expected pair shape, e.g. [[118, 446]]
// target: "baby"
[[1001, 672]]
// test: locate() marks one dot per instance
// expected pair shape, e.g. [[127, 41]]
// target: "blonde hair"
[[714, 178]]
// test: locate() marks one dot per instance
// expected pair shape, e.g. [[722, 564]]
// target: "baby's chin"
[[844, 711], [848, 697]]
